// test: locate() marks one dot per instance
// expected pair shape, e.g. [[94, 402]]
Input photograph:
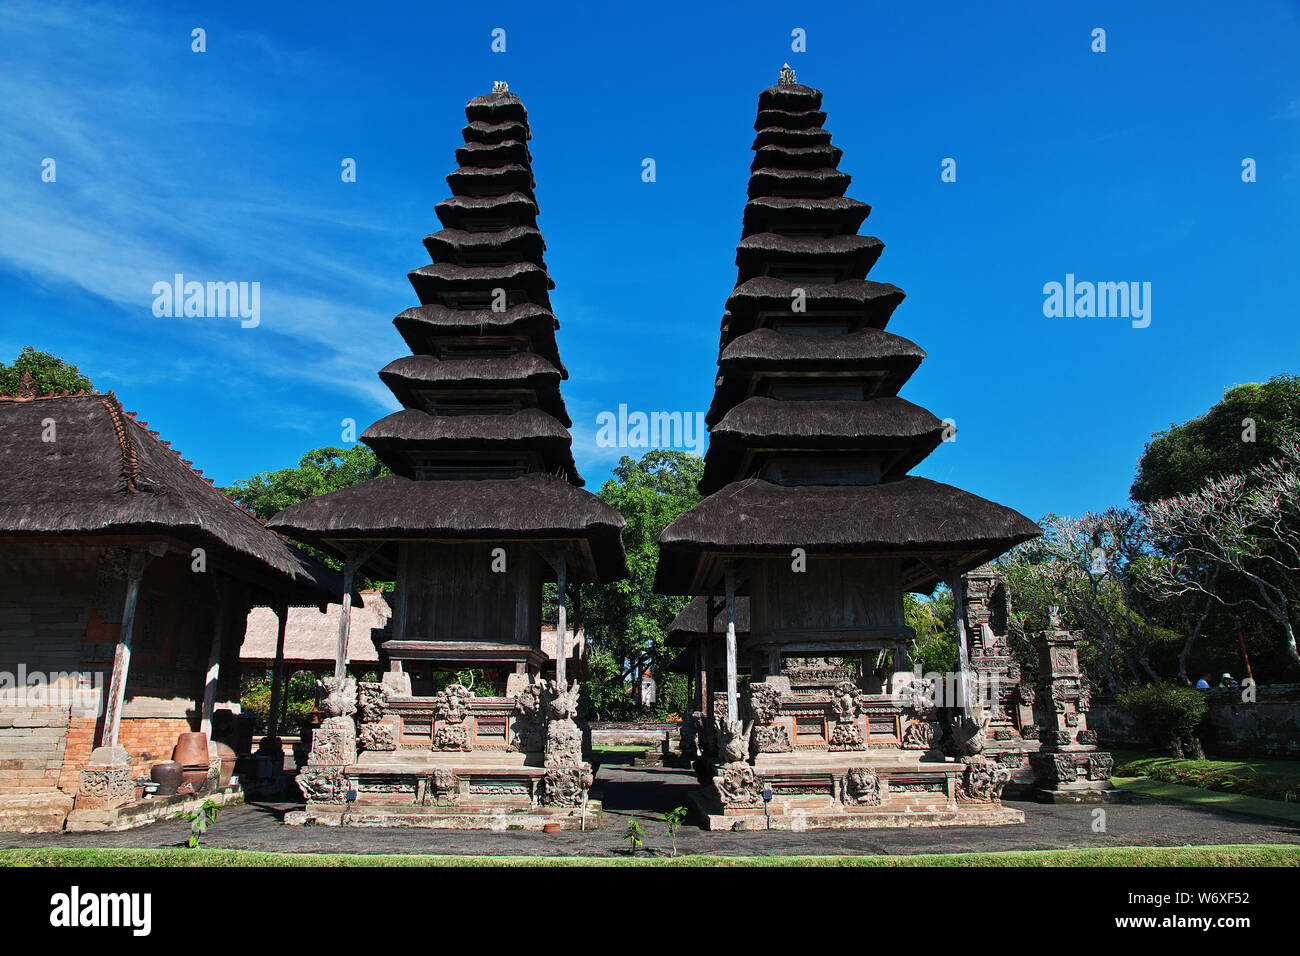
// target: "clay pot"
[[227, 755], [551, 828], [191, 750], [168, 777], [196, 777]]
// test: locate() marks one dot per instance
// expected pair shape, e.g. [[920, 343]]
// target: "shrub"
[[1169, 715]]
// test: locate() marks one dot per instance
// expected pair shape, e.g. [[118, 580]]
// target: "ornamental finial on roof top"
[[500, 86], [26, 386], [787, 76]]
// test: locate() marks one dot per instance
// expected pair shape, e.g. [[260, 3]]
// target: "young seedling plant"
[[200, 820], [633, 836], [674, 819]]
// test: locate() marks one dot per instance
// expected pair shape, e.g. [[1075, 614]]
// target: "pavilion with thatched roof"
[[125, 578], [812, 519], [484, 509]]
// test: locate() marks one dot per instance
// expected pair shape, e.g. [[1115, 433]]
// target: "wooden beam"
[[213, 675], [561, 623], [733, 709], [277, 672]]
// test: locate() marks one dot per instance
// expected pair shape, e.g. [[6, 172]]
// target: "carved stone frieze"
[[861, 787], [920, 735], [737, 785], [847, 735], [377, 737]]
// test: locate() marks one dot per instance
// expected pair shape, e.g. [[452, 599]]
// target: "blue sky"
[[225, 165]]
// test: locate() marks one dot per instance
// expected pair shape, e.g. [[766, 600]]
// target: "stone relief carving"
[[764, 703], [372, 700], [738, 786], [377, 737], [323, 784], [452, 704], [452, 737], [340, 696], [565, 786], [920, 735], [861, 787], [847, 735], [984, 780], [772, 739]]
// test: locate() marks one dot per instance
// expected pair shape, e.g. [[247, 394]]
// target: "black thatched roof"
[[786, 119], [516, 242], [861, 302], [873, 425], [480, 132], [774, 181], [766, 350], [534, 507], [790, 96], [840, 213], [784, 156], [107, 474], [496, 108], [495, 154], [459, 211], [519, 370], [852, 255], [692, 623], [424, 326], [775, 136], [910, 516], [491, 180], [433, 283]]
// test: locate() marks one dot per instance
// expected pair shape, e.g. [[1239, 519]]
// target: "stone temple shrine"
[[811, 514], [484, 509]]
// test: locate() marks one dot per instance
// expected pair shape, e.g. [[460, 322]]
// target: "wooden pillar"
[[277, 673], [733, 709], [122, 655], [963, 643], [213, 675], [561, 623], [706, 657], [350, 564]]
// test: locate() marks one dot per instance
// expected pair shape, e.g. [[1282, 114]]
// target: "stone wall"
[[1268, 727], [31, 747]]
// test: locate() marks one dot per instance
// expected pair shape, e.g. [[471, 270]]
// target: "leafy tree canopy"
[[49, 373], [626, 621], [1183, 458], [320, 471]]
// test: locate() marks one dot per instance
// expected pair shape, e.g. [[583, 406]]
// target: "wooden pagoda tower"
[[812, 515], [484, 508]]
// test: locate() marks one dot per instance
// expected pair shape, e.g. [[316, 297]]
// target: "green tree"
[[935, 624], [626, 622], [1182, 459], [320, 471], [49, 374]]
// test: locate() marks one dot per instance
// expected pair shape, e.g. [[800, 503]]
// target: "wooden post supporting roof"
[[963, 643], [213, 674], [277, 675], [733, 709], [561, 624], [353, 560], [122, 655]]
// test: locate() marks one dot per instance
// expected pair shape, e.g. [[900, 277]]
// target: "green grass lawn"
[[1267, 779], [1264, 855]]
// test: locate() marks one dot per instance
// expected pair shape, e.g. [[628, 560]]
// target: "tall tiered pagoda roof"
[[810, 443], [481, 447]]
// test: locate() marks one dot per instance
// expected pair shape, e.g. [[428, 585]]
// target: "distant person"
[[1204, 682], [1227, 681]]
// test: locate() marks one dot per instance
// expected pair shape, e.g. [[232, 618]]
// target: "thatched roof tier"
[[398, 437], [791, 96], [109, 475], [424, 326], [848, 257], [786, 119], [517, 243], [443, 281], [863, 303], [766, 351], [897, 432], [775, 136], [534, 507], [769, 181], [693, 622], [835, 214], [911, 516], [481, 132], [504, 153], [491, 180], [411, 375], [796, 157], [496, 108], [458, 212]]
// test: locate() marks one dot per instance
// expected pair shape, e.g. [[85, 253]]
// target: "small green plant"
[[200, 820], [674, 819], [634, 836], [1169, 715]]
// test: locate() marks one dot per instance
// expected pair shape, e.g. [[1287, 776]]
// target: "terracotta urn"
[[191, 750], [168, 777], [551, 828], [227, 755]]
